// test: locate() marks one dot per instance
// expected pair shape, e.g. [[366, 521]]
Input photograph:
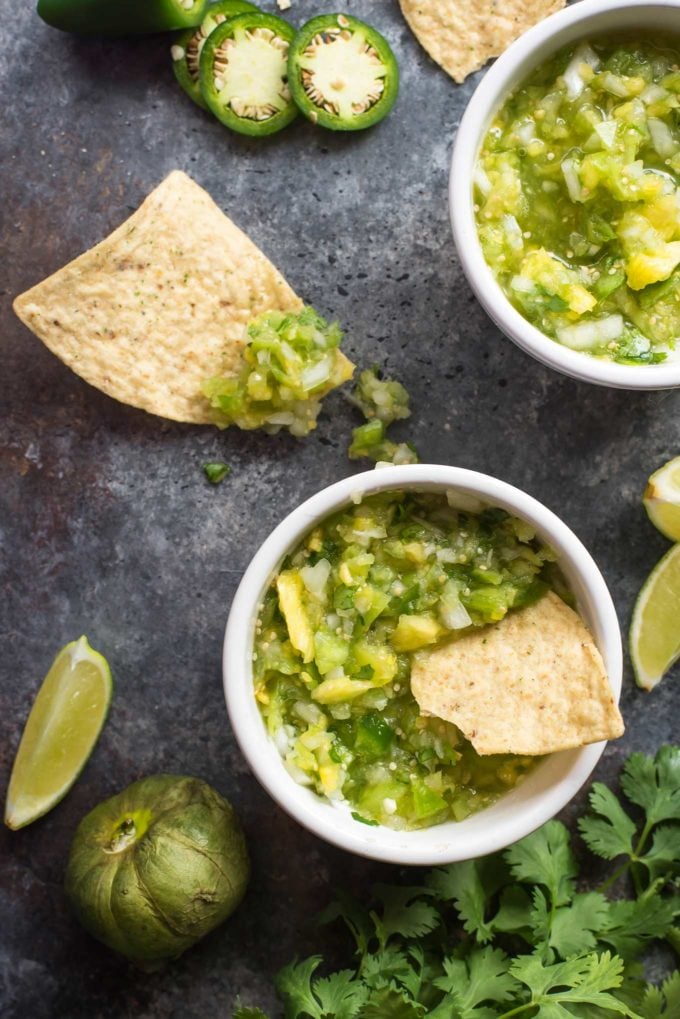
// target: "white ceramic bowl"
[[544, 791], [582, 20]]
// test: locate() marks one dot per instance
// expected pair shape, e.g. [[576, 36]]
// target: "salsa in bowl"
[[565, 192], [335, 626]]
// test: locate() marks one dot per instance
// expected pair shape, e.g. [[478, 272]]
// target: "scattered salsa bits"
[[216, 471], [577, 199]]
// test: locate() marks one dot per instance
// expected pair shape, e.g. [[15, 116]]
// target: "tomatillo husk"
[[155, 868]]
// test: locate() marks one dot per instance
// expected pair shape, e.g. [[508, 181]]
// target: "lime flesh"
[[655, 627], [62, 729], [662, 499]]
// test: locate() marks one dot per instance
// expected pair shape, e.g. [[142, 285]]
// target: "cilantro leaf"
[[654, 784], [662, 860], [249, 1012], [340, 995], [354, 916], [574, 928], [545, 858], [403, 913], [481, 978], [634, 923], [663, 1002], [462, 885], [587, 980], [390, 1003], [610, 834], [294, 985], [386, 967]]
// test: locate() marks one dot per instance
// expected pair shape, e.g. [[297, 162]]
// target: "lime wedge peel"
[[655, 627], [60, 733], [662, 499]]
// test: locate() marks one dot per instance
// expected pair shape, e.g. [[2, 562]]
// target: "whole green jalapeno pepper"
[[121, 17]]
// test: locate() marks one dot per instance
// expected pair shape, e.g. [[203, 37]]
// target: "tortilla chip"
[[160, 305], [532, 684], [461, 35]]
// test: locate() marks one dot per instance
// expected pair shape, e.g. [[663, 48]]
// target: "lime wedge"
[[662, 499], [655, 628], [62, 728]]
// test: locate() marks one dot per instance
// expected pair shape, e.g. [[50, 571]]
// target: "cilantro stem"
[[519, 1009]]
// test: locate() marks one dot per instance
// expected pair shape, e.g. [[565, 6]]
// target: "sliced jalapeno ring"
[[121, 17], [342, 73], [243, 74], [186, 49]]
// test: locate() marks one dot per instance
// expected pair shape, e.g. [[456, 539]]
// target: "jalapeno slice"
[[243, 73], [342, 73], [186, 49], [121, 17]]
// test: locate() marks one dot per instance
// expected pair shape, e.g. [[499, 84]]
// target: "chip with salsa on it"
[[164, 303], [533, 683]]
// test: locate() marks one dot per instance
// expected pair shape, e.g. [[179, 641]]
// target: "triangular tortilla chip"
[[534, 683], [461, 35], [160, 305]]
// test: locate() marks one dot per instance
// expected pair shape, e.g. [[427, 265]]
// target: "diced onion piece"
[[482, 182], [615, 85], [573, 74], [653, 94], [316, 577], [606, 131], [463, 501], [316, 374], [662, 137], [572, 179], [585, 335], [522, 284], [513, 233], [308, 712], [527, 132], [298, 774], [284, 417]]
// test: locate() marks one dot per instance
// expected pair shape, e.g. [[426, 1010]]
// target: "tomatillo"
[[155, 868], [187, 47], [243, 74], [121, 17], [342, 73]]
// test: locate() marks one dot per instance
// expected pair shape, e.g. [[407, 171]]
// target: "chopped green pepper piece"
[[374, 735], [342, 73], [121, 17], [186, 49], [216, 471], [243, 74]]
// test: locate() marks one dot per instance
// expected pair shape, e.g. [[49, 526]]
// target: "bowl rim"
[[567, 771], [508, 71]]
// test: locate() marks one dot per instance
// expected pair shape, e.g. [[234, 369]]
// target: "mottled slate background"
[[108, 526]]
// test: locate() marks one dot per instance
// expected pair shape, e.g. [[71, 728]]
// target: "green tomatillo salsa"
[[367, 589], [577, 200]]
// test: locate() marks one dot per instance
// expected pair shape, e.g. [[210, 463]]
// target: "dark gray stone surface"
[[108, 526]]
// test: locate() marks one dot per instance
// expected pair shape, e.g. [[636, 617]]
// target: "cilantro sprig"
[[518, 933]]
